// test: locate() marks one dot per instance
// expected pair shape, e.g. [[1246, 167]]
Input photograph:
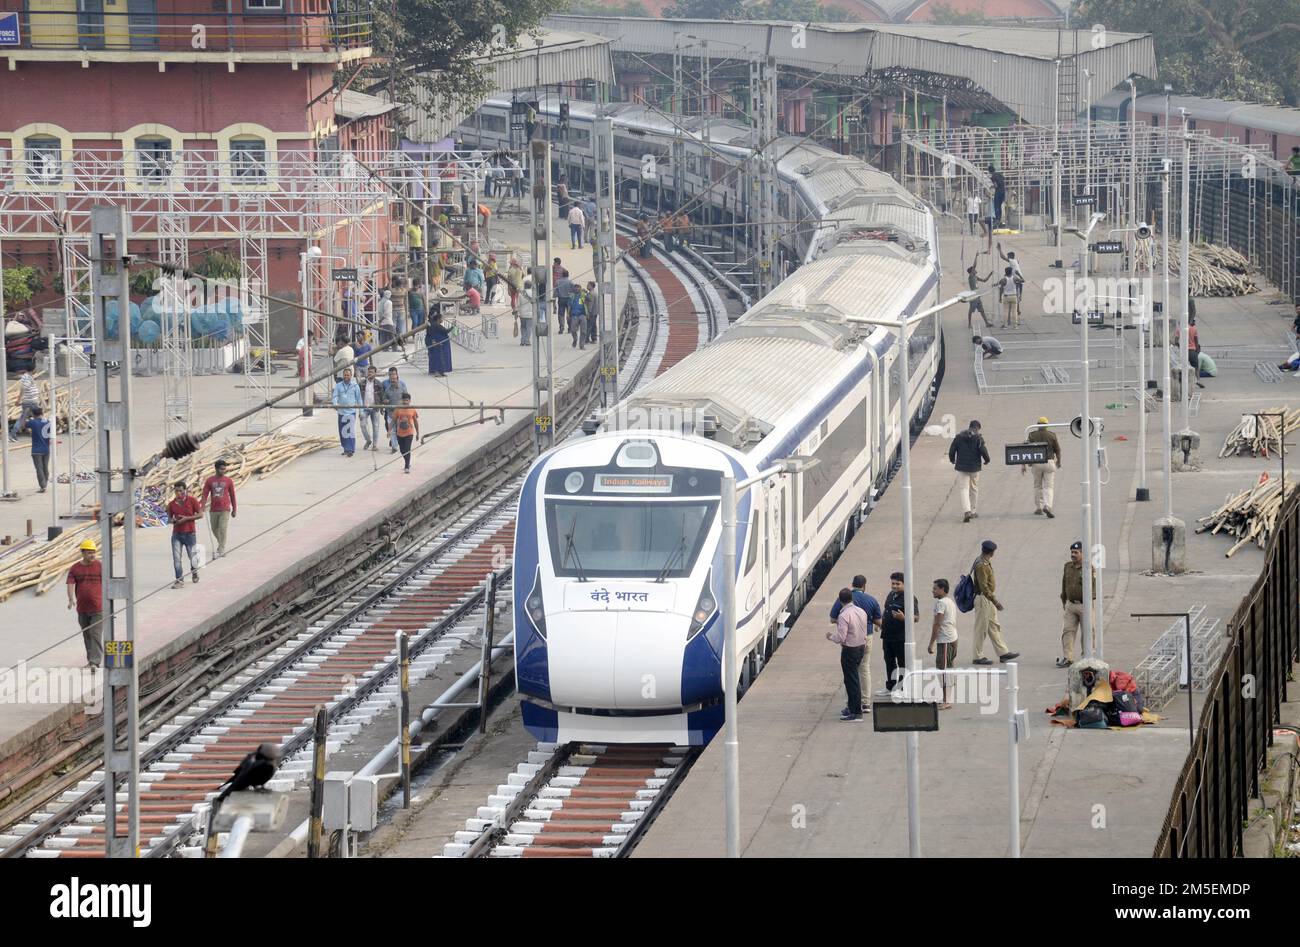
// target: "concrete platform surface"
[[284, 521], [812, 785]]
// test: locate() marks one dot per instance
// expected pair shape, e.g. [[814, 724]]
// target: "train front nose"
[[618, 660]]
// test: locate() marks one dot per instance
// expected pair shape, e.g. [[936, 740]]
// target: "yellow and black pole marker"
[[404, 723], [485, 664], [210, 843], [318, 783]]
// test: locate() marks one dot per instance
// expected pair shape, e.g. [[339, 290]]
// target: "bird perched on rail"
[[253, 771]]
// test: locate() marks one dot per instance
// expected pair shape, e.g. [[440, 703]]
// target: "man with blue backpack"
[[578, 317]]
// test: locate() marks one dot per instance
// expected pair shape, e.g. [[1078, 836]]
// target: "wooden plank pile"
[[13, 402], [1260, 436], [1250, 515], [1215, 270], [43, 565]]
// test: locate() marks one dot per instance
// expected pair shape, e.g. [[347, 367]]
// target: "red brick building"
[[180, 104]]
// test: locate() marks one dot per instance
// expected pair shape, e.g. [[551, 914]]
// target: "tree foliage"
[[607, 7], [1232, 49], [20, 284], [433, 45]]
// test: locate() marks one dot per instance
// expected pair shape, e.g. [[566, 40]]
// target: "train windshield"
[[627, 538]]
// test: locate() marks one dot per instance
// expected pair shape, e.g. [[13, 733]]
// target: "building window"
[[44, 159], [153, 158], [248, 159], [257, 5]]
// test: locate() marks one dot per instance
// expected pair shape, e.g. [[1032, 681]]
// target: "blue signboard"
[[10, 35]]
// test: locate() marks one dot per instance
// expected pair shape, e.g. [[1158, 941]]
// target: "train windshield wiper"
[[677, 553], [571, 547]]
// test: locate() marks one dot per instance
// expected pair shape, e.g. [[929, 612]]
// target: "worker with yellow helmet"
[[84, 584], [1044, 474]]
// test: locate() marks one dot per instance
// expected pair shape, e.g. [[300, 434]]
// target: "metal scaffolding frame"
[[340, 200], [1242, 196]]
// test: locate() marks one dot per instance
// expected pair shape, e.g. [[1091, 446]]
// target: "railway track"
[[574, 801], [346, 660]]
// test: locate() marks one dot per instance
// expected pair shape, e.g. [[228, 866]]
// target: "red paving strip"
[[683, 320]]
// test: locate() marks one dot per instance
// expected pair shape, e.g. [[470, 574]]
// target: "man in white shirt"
[[577, 223], [973, 212], [943, 635]]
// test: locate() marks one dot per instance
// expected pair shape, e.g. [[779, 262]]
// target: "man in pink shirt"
[[219, 500], [851, 635]]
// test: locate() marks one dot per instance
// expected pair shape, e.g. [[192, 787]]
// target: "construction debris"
[[1215, 270], [85, 413], [1250, 515], [1261, 434]]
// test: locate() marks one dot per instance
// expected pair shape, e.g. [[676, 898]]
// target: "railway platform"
[[813, 785], [303, 515]]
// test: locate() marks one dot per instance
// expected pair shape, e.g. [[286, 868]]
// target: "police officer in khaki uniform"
[[987, 607], [1072, 602], [1044, 474]]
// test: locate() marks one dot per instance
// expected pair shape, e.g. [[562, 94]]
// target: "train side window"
[[751, 555]]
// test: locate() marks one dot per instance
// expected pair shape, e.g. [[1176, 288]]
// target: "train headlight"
[[573, 482], [705, 607], [534, 605]]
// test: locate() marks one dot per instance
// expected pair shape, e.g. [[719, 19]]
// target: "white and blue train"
[[617, 558]]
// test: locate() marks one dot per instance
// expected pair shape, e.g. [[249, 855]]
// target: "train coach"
[[617, 556]]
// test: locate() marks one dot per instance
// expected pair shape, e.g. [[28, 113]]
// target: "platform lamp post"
[[5, 492], [1086, 433], [902, 329], [729, 504]]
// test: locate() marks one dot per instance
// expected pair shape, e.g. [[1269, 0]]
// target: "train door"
[[880, 402]]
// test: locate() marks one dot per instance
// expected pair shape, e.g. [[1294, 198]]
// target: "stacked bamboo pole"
[[1215, 270], [1266, 439], [85, 419], [1250, 515]]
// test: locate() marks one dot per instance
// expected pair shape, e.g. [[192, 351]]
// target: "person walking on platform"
[[851, 635], [85, 594], [42, 432], [968, 455], [346, 397], [893, 632], [218, 498], [391, 395], [372, 405], [564, 290], [578, 318], [406, 424], [943, 637], [1044, 474], [987, 607], [1072, 603], [183, 511], [387, 326], [868, 604]]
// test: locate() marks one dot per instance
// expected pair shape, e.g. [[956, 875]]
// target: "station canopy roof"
[[541, 57], [1016, 66]]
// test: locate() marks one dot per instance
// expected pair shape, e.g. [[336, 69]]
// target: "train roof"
[[795, 344], [1273, 118]]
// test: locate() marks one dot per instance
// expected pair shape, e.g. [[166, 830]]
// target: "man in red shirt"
[[183, 511], [218, 499], [85, 592]]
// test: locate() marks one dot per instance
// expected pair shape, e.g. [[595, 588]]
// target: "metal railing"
[[1210, 803], [270, 31]]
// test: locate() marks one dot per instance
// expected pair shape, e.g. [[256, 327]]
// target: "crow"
[[253, 771]]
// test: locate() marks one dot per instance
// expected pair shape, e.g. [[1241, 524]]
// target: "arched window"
[[44, 159], [153, 158], [248, 159]]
